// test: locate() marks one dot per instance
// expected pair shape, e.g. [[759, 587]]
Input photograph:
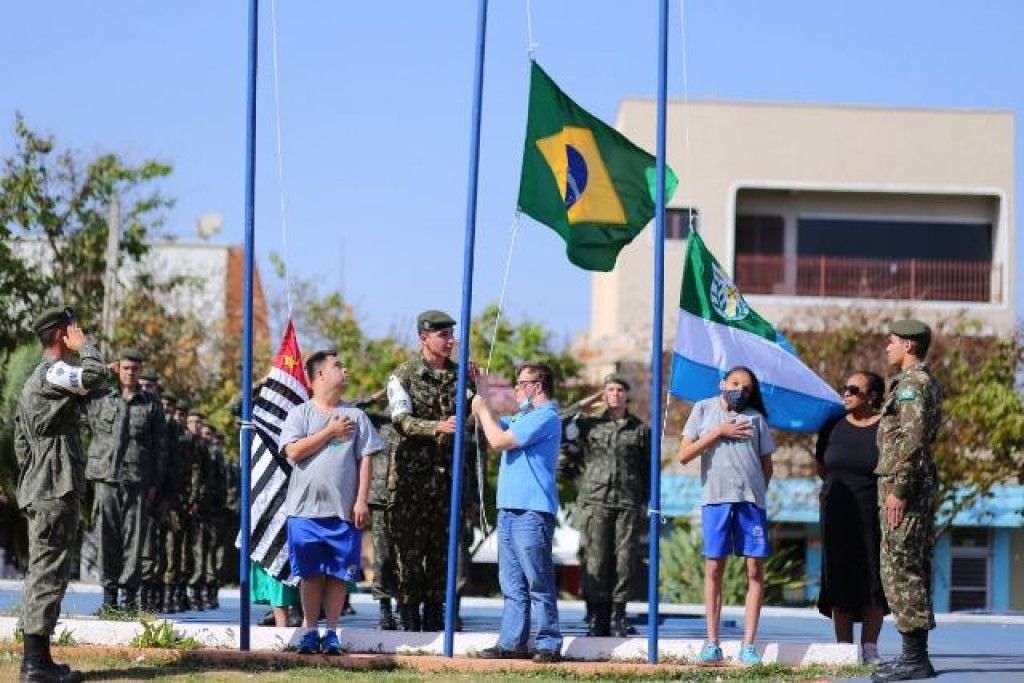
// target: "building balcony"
[[859, 278]]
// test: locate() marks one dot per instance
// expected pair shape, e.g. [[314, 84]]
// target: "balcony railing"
[[828, 276]]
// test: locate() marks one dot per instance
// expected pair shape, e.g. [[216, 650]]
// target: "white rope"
[[531, 47], [504, 287], [686, 100], [280, 159]]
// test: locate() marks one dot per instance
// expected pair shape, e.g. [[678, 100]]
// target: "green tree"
[[17, 366], [54, 205]]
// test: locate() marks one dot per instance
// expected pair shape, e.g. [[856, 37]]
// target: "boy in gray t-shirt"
[[328, 444]]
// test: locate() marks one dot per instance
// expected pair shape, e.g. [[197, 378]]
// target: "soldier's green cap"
[[184, 405], [149, 376], [52, 318], [616, 378], [428, 321], [169, 397], [132, 355], [195, 412], [911, 329]]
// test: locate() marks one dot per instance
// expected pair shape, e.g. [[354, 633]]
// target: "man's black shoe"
[[501, 653], [547, 656]]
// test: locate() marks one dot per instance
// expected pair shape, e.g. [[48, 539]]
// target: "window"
[[759, 234], [969, 569], [678, 221], [876, 238]]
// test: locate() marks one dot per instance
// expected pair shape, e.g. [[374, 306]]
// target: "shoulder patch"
[[67, 377], [907, 394]]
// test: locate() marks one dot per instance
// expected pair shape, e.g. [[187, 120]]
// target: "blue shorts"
[[324, 545], [735, 528]]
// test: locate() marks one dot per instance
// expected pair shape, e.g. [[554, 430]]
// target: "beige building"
[[817, 207]]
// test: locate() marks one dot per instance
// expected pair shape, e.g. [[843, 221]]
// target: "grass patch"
[[65, 638], [162, 634]]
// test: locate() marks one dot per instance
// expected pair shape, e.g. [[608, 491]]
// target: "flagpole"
[[250, 238], [455, 508], [654, 505]]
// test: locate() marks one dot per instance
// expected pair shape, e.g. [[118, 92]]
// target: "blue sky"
[[376, 112]]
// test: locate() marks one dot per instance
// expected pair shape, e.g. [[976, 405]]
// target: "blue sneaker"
[[329, 644], [711, 654], [749, 655], [310, 643]]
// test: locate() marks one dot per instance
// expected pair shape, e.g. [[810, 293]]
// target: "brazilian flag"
[[583, 178]]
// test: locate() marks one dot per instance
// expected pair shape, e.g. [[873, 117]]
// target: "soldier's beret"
[[52, 318], [195, 412], [616, 378], [149, 376], [169, 397], [132, 355], [184, 405], [428, 321], [911, 329]]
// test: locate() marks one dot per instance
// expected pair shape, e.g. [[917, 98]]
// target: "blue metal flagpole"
[[455, 509], [250, 238], [654, 505]]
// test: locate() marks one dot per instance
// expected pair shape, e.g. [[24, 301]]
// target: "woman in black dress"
[[847, 453]]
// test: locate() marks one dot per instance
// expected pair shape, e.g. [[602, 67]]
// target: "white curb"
[[682, 650]]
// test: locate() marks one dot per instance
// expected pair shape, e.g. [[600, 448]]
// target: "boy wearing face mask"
[[730, 434]]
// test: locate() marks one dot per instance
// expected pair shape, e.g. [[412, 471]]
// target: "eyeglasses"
[[851, 389], [523, 382]]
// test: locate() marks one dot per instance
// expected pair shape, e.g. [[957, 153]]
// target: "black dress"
[[850, 579]]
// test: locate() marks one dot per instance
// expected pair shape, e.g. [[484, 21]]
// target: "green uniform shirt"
[[614, 456], [128, 438], [910, 420]]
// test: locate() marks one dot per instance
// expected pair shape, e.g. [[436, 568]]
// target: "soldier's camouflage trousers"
[[385, 571], [177, 549], [117, 525], [202, 572], [154, 553], [214, 562], [419, 531], [906, 566], [612, 535], [52, 531]]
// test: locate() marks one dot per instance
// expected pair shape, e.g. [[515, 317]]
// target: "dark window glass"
[[677, 222], [758, 234], [893, 239]]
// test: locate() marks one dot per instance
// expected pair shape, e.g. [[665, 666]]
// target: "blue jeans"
[[526, 573]]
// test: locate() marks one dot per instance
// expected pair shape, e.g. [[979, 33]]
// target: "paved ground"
[[965, 648]]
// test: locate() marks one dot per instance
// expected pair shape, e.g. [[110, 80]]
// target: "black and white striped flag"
[[284, 388]]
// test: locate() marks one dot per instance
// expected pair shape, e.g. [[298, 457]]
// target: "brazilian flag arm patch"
[[907, 394]]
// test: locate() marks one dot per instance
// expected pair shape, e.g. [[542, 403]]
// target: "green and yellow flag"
[[583, 178]]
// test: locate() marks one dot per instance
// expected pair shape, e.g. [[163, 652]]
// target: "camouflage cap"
[[169, 397], [429, 321], [132, 354], [911, 329], [149, 376], [52, 318], [616, 378]]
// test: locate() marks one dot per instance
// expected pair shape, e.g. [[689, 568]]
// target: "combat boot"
[[109, 603], [145, 597], [913, 664], [433, 616], [181, 597], [620, 627], [386, 620], [160, 598], [38, 667], [409, 615], [212, 590], [131, 601], [601, 617], [196, 599]]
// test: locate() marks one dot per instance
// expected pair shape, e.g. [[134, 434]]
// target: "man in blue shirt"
[[527, 503]]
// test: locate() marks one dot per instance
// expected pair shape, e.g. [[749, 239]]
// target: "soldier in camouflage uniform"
[[171, 525], [421, 398], [206, 480], [154, 516], [186, 475], [51, 480], [227, 567], [614, 486], [126, 461], [907, 486], [218, 520]]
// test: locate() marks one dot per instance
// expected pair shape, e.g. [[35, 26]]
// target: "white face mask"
[[525, 404]]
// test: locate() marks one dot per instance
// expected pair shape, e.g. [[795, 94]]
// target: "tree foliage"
[[54, 206]]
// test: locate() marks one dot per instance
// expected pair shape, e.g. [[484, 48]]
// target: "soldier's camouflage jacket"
[[611, 457], [906, 431], [47, 442], [128, 438]]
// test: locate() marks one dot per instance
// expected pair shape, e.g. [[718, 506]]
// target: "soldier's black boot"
[[913, 664], [181, 597], [196, 599], [601, 620], [145, 597], [38, 667], [131, 601], [620, 627], [409, 616], [386, 620], [163, 599], [212, 590], [109, 603], [433, 616]]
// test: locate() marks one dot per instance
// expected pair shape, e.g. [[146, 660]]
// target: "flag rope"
[[691, 218], [280, 158], [531, 47]]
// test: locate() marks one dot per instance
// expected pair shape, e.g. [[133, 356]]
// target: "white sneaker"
[[869, 653]]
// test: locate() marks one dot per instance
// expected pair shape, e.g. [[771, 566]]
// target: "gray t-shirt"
[[325, 484], [730, 470]]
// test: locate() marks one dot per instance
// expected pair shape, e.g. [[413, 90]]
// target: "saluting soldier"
[[907, 485], [613, 456], [126, 457], [421, 399], [51, 480]]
